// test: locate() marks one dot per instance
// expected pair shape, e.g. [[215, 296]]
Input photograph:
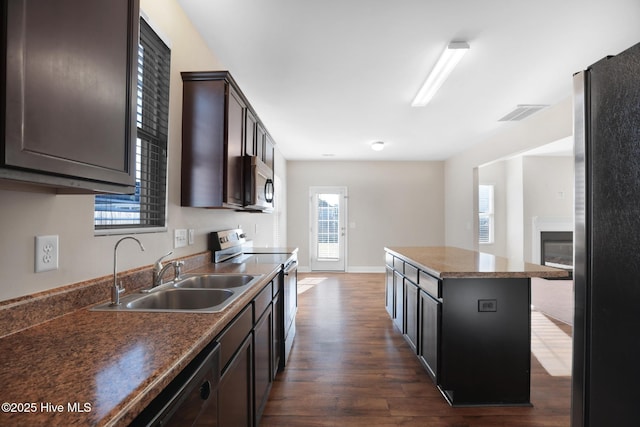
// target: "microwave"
[[258, 185]]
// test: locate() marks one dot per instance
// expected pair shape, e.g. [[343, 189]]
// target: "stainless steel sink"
[[195, 293], [181, 299], [214, 281]]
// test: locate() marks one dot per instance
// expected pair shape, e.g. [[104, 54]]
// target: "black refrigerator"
[[606, 344]]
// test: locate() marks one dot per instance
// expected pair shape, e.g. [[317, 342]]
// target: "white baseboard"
[[354, 269]]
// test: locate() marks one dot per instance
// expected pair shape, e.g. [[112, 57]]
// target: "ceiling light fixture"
[[445, 65], [377, 145]]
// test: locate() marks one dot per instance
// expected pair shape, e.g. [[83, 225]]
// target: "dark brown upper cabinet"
[[251, 128], [219, 127], [264, 146], [268, 151], [69, 90], [212, 141]]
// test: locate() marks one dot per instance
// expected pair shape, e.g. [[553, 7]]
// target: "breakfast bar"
[[466, 315]]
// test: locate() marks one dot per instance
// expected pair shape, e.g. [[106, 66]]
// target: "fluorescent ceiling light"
[[377, 146], [445, 65]]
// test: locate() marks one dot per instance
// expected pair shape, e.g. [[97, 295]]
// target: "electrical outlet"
[[192, 236], [487, 305], [46, 253], [180, 238]]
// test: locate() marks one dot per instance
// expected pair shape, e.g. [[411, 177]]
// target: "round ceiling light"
[[377, 145]]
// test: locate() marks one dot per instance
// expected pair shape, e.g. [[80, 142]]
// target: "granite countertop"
[[102, 368], [449, 262]]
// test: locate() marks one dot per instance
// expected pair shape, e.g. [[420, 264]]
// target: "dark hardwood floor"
[[350, 367]]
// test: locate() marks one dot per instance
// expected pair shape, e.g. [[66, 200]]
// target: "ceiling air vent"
[[522, 111]]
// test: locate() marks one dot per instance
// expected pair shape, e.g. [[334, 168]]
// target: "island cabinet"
[[69, 90], [466, 316]]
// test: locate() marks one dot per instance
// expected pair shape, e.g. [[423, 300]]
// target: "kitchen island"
[[467, 316]]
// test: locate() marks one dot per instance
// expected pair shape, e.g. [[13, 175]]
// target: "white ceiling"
[[332, 76]]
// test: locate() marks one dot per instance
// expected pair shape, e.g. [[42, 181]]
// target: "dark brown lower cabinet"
[[411, 314], [263, 367], [429, 319], [390, 292], [398, 318], [249, 354], [235, 394]]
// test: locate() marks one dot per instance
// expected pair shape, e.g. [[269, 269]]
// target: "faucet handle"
[[177, 266], [158, 264], [116, 290]]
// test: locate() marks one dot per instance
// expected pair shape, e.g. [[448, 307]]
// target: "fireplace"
[[556, 249]]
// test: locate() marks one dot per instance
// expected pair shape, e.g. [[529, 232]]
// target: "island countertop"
[[451, 262]]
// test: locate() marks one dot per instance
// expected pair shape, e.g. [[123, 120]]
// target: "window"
[[328, 226], [485, 213], [145, 210]]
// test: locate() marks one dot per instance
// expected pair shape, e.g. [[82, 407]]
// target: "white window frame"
[[488, 215]]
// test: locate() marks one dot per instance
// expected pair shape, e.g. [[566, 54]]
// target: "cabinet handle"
[[205, 390]]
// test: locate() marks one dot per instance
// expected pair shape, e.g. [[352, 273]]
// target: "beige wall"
[[548, 193], [542, 128], [527, 188], [83, 256], [391, 204]]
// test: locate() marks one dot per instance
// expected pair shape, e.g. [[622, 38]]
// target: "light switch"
[[180, 238]]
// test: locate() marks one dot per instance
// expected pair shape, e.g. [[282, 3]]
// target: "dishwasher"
[[191, 399]]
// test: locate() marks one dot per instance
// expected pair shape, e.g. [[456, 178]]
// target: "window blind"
[[147, 207]]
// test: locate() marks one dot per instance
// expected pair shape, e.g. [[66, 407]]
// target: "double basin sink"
[[194, 293]]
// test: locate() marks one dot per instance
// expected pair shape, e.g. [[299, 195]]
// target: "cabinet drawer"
[[430, 284], [262, 301], [411, 273], [233, 336], [276, 283], [398, 265], [388, 259]]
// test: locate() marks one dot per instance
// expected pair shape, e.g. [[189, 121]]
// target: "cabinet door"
[[399, 300], [250, 133], [233, 148], [263, 373], [429, 317], [390, 293], [278, 334], [235, 393], [71, 76], [269, 150], [260, 136], [203, 154], [411, 313]]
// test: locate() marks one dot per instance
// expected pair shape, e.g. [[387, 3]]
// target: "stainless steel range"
[[233, 246]]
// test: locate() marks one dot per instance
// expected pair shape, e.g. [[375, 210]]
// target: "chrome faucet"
[[159, 270], [117, 289]]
